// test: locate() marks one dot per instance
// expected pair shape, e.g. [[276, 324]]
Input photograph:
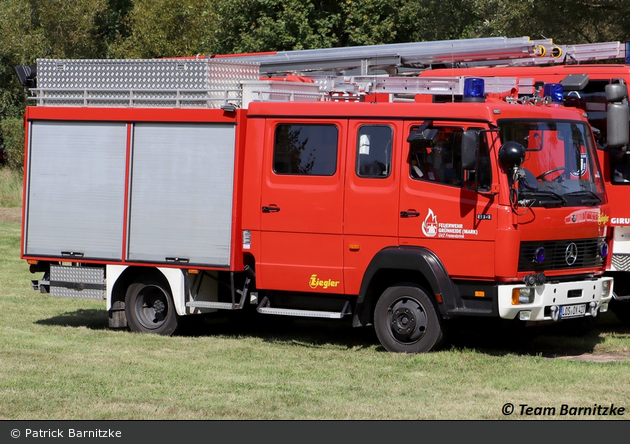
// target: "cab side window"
[[374, 151], [306, 149], [619, 165], [435, 156]]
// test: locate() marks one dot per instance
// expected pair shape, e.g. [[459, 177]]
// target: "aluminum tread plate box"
[[142, 82], [75, 193], [182, 183], [77, 282]]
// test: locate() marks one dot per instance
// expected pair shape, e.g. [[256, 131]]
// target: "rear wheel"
[[149, 308], [406, 321]]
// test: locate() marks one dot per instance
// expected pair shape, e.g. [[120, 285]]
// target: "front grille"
[[621, 262], [555, 255]]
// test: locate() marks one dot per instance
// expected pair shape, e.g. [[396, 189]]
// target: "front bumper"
[[550, 299]]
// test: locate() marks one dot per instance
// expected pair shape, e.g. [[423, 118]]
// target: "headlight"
[[605, 289], [523, 295]]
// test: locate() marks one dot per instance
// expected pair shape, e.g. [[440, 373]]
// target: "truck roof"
[[489, 111]]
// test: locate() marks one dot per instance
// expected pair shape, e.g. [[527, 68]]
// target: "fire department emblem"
[[583, 166], [430, 225]]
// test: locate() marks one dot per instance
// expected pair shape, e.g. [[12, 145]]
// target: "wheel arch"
[[173, 278], [393, 265]]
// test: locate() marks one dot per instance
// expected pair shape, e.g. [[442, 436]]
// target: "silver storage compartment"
[[75, 190], [182, 184]]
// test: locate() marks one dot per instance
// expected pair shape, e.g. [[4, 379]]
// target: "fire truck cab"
[[585, 87]]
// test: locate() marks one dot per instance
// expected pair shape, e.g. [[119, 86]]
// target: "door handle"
[[409, 213], [270, 209]]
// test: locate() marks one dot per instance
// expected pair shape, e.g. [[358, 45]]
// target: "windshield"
[[560, 167]]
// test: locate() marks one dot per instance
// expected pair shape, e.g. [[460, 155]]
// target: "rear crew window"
[[306, 149], [374, 151]]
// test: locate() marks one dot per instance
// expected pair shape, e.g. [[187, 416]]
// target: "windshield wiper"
[[545, 203], [594, 199]]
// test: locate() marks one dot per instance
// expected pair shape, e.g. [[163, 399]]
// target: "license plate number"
[[572, 311]]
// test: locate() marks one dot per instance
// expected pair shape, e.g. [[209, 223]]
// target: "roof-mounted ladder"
[[391, 57], [550, 54]]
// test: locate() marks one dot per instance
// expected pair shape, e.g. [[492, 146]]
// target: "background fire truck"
[[178, 187], [584, 84]]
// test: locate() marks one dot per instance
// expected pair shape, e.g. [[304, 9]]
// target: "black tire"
[[406, 320], [149, 308], [621, 310]]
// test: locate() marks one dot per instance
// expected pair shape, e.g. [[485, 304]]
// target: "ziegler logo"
[[315, 282]]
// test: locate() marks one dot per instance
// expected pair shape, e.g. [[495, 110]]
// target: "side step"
[[234, 305], [219, 305], [264, 308]]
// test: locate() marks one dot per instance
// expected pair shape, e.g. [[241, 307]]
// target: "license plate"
[[572, 311]]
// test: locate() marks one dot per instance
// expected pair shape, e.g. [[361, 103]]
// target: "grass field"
[[10, 187], [59, 361]]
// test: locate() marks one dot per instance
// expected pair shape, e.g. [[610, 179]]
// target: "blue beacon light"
[[474, 90], [554, 92]]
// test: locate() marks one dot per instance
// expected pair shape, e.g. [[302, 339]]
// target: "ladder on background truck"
[[411, 57], [392, 57], [550, 54]]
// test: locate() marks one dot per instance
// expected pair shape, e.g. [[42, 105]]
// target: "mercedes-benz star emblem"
[[571, 254]]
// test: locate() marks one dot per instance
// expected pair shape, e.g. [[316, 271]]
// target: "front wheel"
[[621, 309], [149, 308], [406, 321]]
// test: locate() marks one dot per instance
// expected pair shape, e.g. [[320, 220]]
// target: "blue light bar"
[[474, 90], [553, 91]]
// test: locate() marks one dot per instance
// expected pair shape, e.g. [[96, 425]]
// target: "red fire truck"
[[584, 87], [183, 194]]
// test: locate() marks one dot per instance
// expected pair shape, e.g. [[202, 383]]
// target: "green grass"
[[59, 361], [10, 187]]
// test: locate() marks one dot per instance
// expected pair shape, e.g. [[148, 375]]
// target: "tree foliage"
[[565, 21], [31, 29], [165, 28]]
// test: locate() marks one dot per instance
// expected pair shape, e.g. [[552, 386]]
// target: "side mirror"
[[616, 92], [617, 115], [27, 75], [511, 154], [470, 148]]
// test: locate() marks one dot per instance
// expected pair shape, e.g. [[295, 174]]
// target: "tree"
[[31, 29], [167, 28], [284, 25], [565, 21], [271, 25]]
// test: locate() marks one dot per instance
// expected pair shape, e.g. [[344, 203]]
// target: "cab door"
[[302, 206], [371, 194], [441, 208]]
